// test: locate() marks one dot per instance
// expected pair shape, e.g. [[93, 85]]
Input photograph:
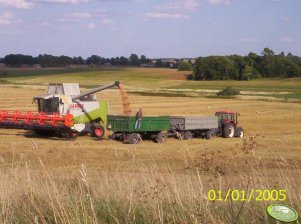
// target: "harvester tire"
[[209, 134], [228, 131], [239, 132], [69, 135], [188, 135], [134, 138], [73, 134], [161, 137], [98, 131]]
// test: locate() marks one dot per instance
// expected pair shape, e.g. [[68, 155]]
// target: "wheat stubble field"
[[51, 180]]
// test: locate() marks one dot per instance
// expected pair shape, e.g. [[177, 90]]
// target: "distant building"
[[148, 65]]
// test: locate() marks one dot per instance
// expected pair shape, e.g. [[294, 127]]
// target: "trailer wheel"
[[98, 131], [209, 134], [134, 138], [239, 132], [228, 131], [188, 135], [161, 137]]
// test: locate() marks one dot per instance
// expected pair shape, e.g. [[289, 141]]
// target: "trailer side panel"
[[194, 123]]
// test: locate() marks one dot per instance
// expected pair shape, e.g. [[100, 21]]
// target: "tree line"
[[252, 66], [45, 60]]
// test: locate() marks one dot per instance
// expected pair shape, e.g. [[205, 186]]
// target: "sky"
[[166, 28]]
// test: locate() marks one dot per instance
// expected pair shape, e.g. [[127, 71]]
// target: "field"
[[51, 180]]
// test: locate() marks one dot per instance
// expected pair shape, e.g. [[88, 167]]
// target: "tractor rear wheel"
[[161, 137], [228, 131], [98, 131], [239, 132], [188, 135], [134, 138]]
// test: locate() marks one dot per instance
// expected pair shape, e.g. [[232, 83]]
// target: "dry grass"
[[88, 181]]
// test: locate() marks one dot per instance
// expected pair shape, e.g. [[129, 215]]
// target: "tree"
[[18, 60], [185, 66], [123, 61], [94, 59], [143, 59], [215, 67], [134, 59]]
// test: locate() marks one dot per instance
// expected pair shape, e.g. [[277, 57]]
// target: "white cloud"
[[81, 15], [91, 26], [287, 39], [107, 21], [165, 15], [6, 18], [180, 5], [178, 9], [248, 40], [219, 2], [63, 1], [75, 17], [21, 4]]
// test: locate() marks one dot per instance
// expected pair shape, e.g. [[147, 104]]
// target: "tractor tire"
[[239, 132], [161, 137], [188, 135], [98, 131], [134, 138], [228, 131], [209, 134]]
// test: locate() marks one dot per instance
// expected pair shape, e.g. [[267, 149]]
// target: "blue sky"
[[166, 28]]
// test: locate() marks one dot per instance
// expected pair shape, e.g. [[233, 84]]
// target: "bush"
[[229, 91], [184, 66]]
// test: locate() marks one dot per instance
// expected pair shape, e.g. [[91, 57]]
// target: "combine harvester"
[[63, 110]]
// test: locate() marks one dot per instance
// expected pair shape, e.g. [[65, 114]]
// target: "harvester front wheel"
[[161, 137], [228, 131], [98, 131], [188, 135], [239, 132]]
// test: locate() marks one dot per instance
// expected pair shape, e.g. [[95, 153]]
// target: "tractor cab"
[[227, 117], [228, 124]]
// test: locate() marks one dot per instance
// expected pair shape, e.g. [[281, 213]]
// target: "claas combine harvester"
[[63, 110]]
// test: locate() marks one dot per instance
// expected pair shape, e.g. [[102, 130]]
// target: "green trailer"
[[127, 129]]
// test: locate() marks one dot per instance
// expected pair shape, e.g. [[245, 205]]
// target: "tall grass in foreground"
[[147, 194]]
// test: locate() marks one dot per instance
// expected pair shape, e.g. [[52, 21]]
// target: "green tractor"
[[228, 124]]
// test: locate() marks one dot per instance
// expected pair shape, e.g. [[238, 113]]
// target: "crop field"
[[53, 180]]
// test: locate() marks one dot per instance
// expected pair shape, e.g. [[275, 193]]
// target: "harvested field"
[[52, 180]]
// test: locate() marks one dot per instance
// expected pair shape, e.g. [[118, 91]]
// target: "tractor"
[[228, 124]]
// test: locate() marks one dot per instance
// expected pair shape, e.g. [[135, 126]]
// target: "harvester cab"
[[57, 99], [228, 124]]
